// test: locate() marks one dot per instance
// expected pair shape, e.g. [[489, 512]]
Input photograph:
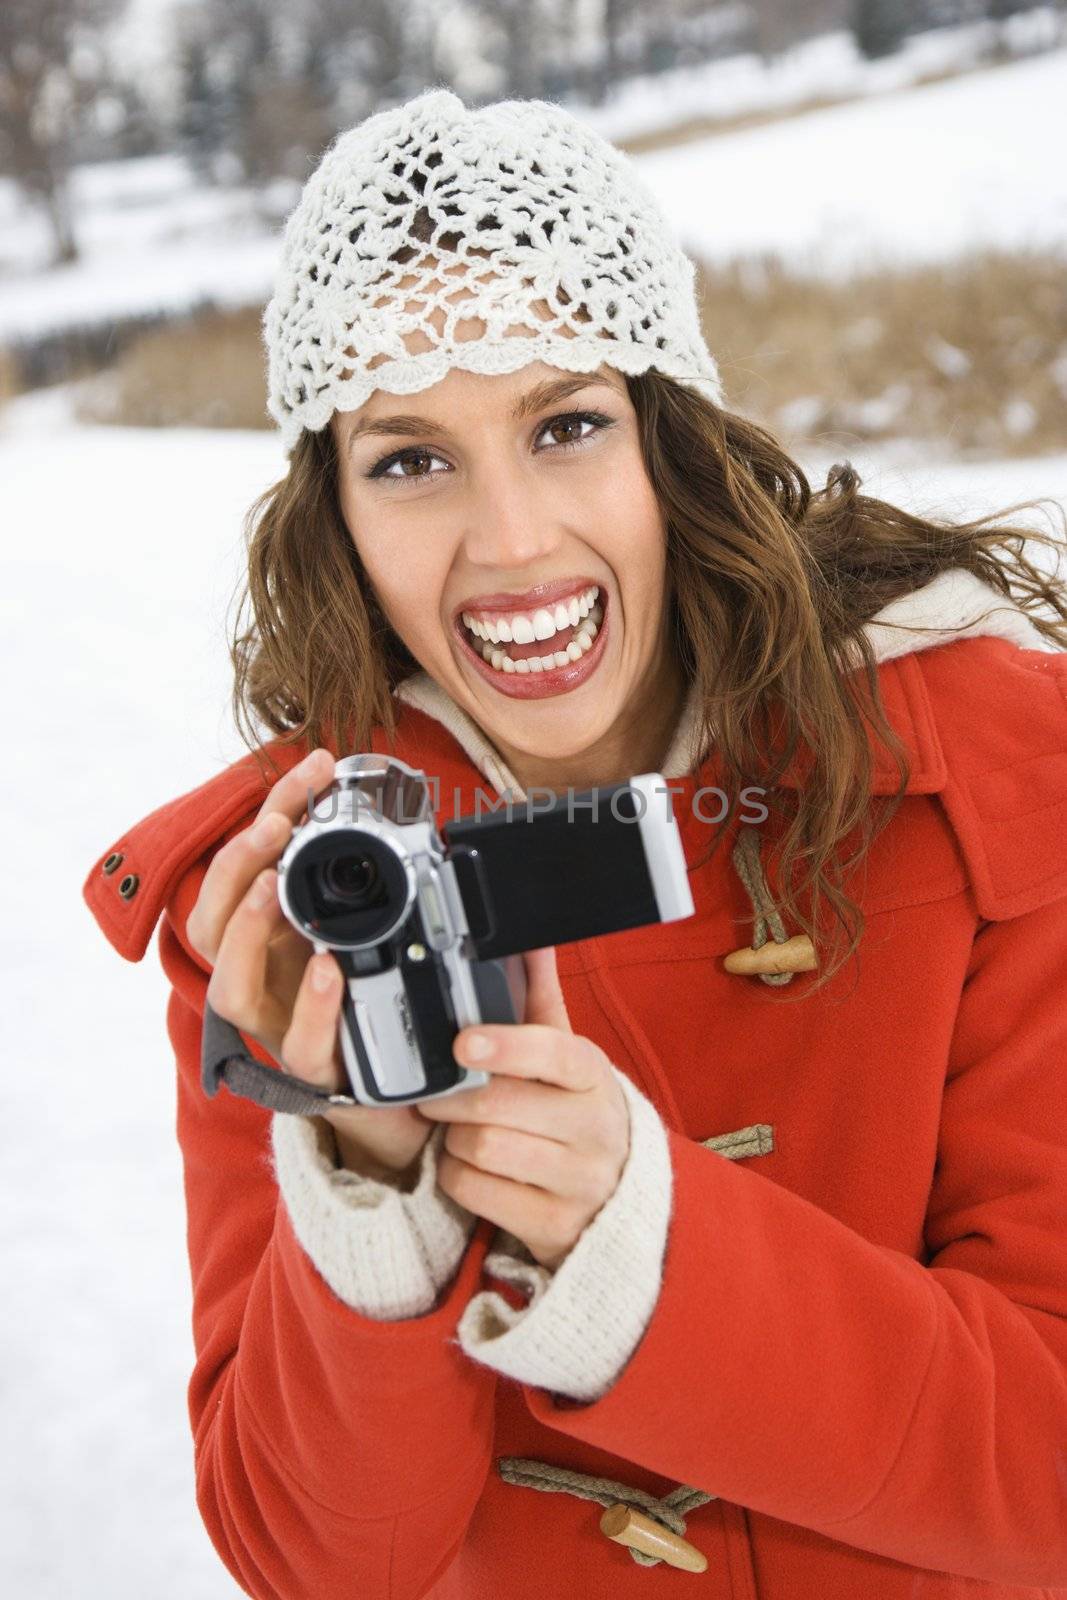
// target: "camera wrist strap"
[[224, 1059]]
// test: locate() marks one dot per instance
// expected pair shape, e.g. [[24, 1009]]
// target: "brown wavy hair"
[[771, 585]]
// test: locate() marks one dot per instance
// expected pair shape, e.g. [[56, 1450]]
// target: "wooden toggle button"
[[795, 955], [626, 1525]]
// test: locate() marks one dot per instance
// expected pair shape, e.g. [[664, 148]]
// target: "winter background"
[[824, 162]]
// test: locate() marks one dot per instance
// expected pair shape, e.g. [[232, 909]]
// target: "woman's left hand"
[[540, 1148]]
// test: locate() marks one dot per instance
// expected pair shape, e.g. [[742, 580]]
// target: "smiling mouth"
[[537, 641]]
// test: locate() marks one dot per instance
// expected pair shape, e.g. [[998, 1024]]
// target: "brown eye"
[[573, 420], [414, 455], [402, 458], [573, 424]]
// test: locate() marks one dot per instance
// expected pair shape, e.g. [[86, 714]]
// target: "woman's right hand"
[[268, 983]]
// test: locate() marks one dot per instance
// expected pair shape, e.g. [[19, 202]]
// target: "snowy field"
[[123, 547]]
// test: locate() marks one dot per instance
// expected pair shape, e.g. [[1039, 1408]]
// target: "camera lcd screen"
[[567, 873]]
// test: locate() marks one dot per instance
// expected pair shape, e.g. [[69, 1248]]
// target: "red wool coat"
[[860, 1343]]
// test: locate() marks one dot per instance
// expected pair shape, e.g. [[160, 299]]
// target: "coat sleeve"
[[582, 1321], [334, 1452], [917, 1410], [384, 1251]]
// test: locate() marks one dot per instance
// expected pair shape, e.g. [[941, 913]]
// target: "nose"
[[510, 522]]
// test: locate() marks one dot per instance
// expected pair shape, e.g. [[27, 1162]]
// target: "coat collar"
[[437, 734], [955, 604]]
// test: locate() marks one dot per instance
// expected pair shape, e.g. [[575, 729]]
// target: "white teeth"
[[520, 628], [591, 626], [544, 624]]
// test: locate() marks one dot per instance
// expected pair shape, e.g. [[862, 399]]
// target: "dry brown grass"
[[969, 357], [206, 372], [9, 382]]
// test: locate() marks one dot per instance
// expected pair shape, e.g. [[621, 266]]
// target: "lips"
[[542, 594], [539, 685]]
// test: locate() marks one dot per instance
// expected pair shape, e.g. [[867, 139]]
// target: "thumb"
[[544, 996]]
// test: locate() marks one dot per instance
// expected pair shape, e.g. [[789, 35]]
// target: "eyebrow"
[[542, 394]]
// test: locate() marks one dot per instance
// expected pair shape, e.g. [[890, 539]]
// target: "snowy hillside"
[[923, 173]]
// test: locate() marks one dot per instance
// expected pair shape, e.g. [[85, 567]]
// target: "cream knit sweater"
[[388, 1254]]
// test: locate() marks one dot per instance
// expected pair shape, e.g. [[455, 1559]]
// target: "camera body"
[[429, 927]]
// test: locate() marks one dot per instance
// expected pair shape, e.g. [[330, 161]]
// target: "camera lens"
[[352, 879], [349, 886]]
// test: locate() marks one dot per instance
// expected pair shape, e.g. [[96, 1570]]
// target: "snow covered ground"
[[123, 547], [923, 174]]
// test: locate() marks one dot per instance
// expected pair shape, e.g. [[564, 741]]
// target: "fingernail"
[[322, 973], [476, 1047], [268, 830]]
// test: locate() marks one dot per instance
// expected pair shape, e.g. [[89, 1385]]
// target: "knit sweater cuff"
[[585, 1319], [385, 1253]]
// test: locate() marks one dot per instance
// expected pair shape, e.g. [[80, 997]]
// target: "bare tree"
[[777, 24], [521, 26], [617, 15], [52, 66], [266, 83]]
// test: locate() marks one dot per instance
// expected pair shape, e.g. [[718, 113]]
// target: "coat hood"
[[992, 762]]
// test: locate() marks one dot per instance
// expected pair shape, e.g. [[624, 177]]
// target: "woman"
[[777, 1283]]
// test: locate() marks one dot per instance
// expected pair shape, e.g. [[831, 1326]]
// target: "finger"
[[309, 1048], [290, 793], [531, 1050], [538, 1109], [237, 986], [544, 995], [522, 1209], [526, 1158], [233, 868]]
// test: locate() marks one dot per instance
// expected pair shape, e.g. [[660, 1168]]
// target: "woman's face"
[[494, 522]]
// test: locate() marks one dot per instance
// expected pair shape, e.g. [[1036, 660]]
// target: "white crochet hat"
[[429, 214]]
